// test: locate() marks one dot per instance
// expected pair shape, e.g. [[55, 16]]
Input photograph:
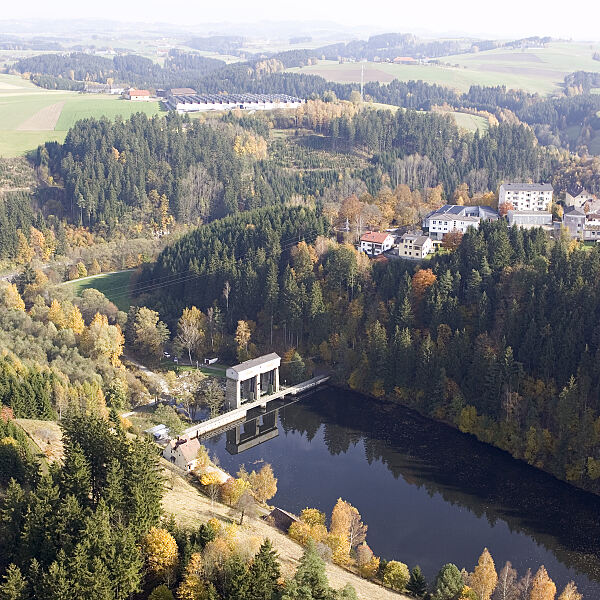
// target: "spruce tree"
[[14, 585], [417, 585], [75, 474], [263, 573], [236, 580]]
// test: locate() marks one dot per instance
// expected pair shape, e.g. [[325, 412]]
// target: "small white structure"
[[415, 245], [529, 219], [158, 432], [251, 379], [183, 453], [137, 95], [184, 103], [526, 196], [376, 242], [454, 217]]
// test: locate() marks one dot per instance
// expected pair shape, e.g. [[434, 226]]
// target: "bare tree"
[[198, 194], [226, 292], [507, 587], [246, 505], [357, 530]]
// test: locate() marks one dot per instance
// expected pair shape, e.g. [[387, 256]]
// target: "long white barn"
[[208, 102]]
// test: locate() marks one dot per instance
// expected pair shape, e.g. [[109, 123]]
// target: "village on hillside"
[[526, 205]]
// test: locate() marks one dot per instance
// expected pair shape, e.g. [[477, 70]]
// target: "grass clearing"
[[115, 286], [30, 116], [46, 437]]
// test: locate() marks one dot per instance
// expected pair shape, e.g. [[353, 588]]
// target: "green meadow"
[[115, 286], [30, 116], [538, 70]]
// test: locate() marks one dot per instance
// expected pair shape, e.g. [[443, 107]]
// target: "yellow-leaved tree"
[[161, 552], [74, 320], [56, 314], [193, 585], [570, 592], [542, 587], [10, 297], [263, 484], [484, 578], [103, 340]]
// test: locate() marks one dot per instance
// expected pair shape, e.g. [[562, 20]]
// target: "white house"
[[452, 217], [526, 196], [579, 200], [183, 453], [137, 95], [415, 245], [376, 242]]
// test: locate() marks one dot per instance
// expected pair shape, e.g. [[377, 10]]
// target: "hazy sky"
[[505, 18]]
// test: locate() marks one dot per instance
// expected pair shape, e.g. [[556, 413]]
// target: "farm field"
[[30, 116], [115, 286], [538, 70]]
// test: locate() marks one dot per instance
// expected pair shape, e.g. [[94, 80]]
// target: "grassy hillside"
[[189, 507], [535, 69], [30, 115], [115, 286]]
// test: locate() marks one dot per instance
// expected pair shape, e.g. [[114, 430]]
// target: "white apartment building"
[[526, 196], [376, 242], [453, 217]]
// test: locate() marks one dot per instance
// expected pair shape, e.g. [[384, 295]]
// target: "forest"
[[498, 337]]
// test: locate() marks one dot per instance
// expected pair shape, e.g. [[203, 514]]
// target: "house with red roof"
[[137, 95], [376, 242]]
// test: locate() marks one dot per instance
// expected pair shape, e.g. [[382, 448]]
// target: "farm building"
[[137, 95], [207, 102]]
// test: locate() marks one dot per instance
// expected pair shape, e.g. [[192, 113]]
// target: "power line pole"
[[362, 82]]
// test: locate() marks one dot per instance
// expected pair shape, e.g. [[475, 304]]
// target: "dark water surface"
[[428, 493]]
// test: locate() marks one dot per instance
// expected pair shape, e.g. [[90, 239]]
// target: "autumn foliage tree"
[[484, 578], [542, 587], [160, 549]]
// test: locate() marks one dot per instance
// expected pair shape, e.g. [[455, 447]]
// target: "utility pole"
[[362, 82]]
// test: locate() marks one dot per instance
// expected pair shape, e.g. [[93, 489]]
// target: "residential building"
[[376, 242], [574, 221], [137, 95], [453, 217], [526, 196], [579, 200], [529, 219], [415, 245], [183, 453], [592, 227]]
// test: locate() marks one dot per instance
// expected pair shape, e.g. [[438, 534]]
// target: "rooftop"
[[195, 98], [376, 237], [188, 448], [573, 211], [138, 92], [255, 362], [527, 187]]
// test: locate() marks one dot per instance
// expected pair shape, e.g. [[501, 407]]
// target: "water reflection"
[[252, 433], [428, 493]]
